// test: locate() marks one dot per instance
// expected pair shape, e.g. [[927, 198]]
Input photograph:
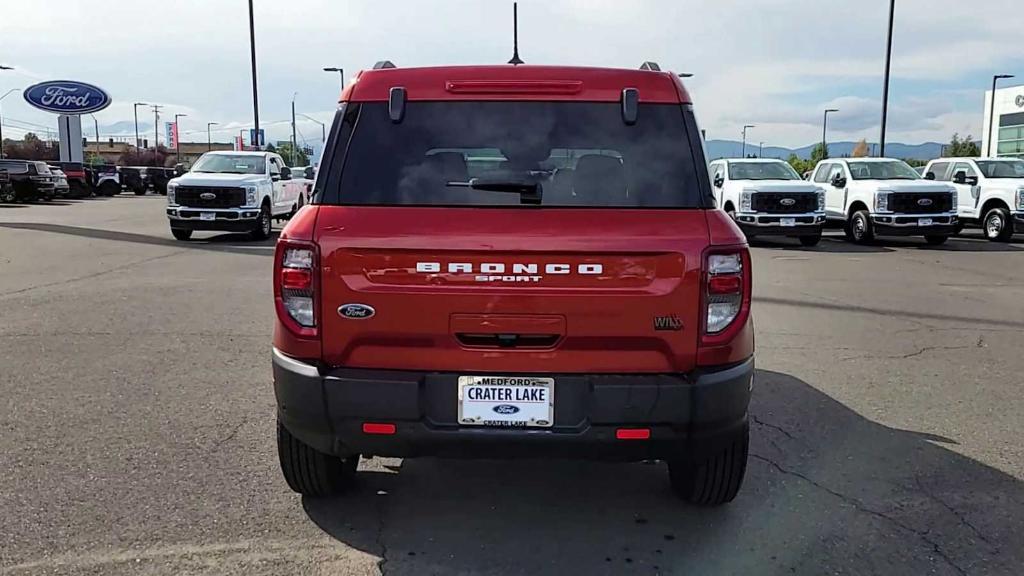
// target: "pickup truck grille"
[[920, 203], [192, 196], [776, 202]]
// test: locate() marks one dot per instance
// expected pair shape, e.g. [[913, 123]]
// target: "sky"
[[775, 64]]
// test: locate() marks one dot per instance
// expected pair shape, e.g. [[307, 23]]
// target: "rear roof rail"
[[381, 64], [651, 66]]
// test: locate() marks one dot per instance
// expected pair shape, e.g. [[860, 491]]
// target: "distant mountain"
[[733, 149]]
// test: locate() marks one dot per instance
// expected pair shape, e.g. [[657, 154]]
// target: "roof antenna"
[[515, 61]]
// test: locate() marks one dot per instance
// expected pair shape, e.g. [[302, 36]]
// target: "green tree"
[[959, 148], [819, 153], [285, 150]]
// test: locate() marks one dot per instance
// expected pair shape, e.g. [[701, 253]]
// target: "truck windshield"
[[1001, 168], [887, 170], [577, 154], [231, 164], [761, 171]]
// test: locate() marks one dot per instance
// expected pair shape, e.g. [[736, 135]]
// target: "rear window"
[[580, 154], [14, 167]]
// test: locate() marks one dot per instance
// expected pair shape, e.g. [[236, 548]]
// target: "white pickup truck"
[[232, 192], [990, 192], [768, 198], [886, 197]]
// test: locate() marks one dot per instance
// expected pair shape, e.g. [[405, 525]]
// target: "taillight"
[[296, 284], [723, 290]]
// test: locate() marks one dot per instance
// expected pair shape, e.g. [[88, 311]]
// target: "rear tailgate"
[[511, 290]]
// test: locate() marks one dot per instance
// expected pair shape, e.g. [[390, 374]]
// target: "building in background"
[[1008, 133]]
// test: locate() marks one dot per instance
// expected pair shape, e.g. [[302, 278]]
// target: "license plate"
[[787, 221], [207, 215], [924, 221], [510, 401]]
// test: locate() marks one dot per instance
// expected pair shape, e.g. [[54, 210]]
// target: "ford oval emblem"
[[66, 97], [505, 409], [924, 202], [787, 201], [356, 311], [208, 196]]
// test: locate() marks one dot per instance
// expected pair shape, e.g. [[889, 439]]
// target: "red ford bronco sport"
[[514, 261]]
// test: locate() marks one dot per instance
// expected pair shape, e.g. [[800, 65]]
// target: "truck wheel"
[[263, 223], [139, 190], [110, 189], [861, 230], [7, 195], [715, 479], [181, 233], [934, 240], [810, 240], [313, 473], [997, 225]]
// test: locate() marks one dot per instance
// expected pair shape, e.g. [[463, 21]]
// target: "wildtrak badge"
[[514, 272]]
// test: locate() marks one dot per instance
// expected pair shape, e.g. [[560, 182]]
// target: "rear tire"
[[715, 479], [263, 225], [810, 241], [312, 473], [181, 233], [860, 228], [997, 225], [7, 195], [934, 240], [109, 188]]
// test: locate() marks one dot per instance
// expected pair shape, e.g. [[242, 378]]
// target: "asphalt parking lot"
[[137, 425]]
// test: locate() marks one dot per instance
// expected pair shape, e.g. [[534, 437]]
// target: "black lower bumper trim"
[[933, 230], [685, 413], [791, 231], [214, 225]]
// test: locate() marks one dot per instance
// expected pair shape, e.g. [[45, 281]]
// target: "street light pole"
[[96, 127], [885, 82], [294, 139], [992, 112], [323, 127], [745, 138], [156, 128], [824, 124], [177, 139], [341, 73], [255, 96], [209, 141], [135, 109], [6, 94], [760, 150]]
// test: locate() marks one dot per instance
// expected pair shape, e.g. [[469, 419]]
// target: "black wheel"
[[181, 233], [713, 480], [861, 230], [7, 194], [109, 188], [997, 225], [810, 240], [139, 191], [263, 224], [313, 473], [935, 240]]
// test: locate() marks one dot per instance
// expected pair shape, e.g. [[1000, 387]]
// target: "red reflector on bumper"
[[633, 433], [378, 428]]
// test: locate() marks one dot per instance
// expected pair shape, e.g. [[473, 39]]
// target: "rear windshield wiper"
[[529, 192]]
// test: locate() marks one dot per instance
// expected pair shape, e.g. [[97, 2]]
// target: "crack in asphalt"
[[776, 427], [230, 435], [382, 546], [979, 344], [93, 275], [860, 507], [963, 520]]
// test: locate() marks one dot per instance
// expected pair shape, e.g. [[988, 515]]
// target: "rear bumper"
[[685, 413]]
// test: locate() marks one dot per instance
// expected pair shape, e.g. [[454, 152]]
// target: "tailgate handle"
[[507, 340]]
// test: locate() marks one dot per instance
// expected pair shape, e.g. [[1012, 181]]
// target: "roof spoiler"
[[650, 66], [382, 64]]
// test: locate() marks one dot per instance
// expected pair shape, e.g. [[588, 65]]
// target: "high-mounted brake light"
[[296, 285]]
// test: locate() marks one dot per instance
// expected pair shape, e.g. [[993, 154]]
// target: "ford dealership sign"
[[67, 97]]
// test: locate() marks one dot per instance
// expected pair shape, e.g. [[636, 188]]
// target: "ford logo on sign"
[[787, 201], [67, 97], [924, 202], [356, 311], [505, 409]]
